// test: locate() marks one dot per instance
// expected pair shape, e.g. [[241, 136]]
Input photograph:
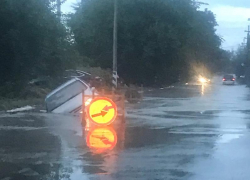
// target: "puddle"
[[226, 138], [76, 172]]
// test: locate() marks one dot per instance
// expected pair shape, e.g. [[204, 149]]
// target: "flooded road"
[[184, 133]]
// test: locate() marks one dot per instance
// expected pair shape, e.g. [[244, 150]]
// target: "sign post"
[[114, 80]]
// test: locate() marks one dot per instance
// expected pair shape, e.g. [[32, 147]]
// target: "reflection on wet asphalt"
[[196, 137]]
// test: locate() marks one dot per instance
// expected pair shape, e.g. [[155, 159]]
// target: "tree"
[[156, 39], [239, 60], [33, 43]]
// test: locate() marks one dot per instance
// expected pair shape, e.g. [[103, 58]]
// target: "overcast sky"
[[231, 15]]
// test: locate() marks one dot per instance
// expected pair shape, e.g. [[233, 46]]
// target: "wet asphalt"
[[176, 133]]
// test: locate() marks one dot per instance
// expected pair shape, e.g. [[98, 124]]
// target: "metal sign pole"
[[83, 109], [114, 79]]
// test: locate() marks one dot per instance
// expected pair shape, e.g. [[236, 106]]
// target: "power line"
[[201, 3]]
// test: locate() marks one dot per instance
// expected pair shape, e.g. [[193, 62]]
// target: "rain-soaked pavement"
[[188, 133]]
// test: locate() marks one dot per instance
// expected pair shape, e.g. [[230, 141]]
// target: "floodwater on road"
[[189, 133]]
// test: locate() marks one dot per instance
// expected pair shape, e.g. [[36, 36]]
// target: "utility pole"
[[248, 60], [115, 75], [248, 38], [59, 11]]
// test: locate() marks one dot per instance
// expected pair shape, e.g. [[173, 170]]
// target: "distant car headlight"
[[202, 80]]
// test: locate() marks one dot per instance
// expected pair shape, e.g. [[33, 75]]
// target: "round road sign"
[[102, 111]]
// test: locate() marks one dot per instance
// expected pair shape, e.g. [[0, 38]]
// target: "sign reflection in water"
[[105, 139], [106, 142], [202, 89], [101, 139]]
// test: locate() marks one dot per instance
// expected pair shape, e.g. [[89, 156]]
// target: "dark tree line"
[[239, 61], [158, 40], [33, 43]]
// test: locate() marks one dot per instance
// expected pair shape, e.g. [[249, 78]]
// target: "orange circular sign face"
[[102, 111], [101, 139]]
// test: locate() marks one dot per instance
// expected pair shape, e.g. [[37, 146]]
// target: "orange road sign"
[[102, 111], [101, 139]]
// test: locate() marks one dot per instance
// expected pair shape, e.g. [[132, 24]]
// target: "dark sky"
[[232, 16]]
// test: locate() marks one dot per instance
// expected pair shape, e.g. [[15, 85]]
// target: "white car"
[[67, 98], [229, 79]]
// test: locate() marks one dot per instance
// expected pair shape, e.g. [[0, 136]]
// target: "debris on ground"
[[25, 108]]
